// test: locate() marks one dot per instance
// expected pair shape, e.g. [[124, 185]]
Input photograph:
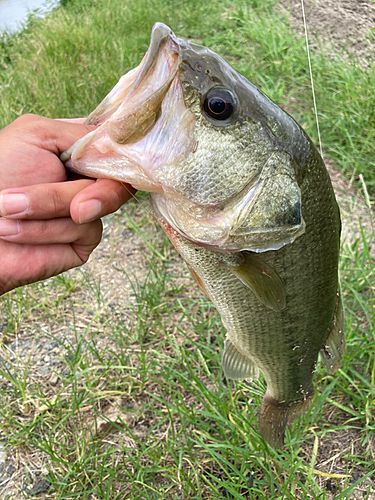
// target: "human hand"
[[47, 225]]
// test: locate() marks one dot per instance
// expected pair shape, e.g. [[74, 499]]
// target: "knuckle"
[[96, 230], [88, 240], [25, 119], [30, 121], [37, 125], [43, 228], [56, 200], [118, 197]]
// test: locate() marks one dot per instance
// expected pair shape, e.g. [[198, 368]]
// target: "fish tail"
[[274, 417], [272, 421]]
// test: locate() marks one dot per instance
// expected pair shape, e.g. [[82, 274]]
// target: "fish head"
[[206, 143]]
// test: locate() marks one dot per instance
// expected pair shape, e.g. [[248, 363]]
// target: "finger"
[[101, 198], [22, 263], [43, 232], [53, 135], [39, 262], [41, 201]]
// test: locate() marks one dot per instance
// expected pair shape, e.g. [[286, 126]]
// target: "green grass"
[[176, 429]]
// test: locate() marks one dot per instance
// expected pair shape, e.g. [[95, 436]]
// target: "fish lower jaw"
[[229, 244], [215, 231]]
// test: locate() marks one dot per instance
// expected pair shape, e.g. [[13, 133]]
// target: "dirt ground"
[[347, 24]]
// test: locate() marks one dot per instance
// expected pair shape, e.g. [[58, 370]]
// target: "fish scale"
[[214, 190]]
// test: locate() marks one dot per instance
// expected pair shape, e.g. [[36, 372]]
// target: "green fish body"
[[246, 200]]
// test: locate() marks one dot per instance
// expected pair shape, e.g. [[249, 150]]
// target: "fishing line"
[[123, 184], [311, 77], [146, 208]]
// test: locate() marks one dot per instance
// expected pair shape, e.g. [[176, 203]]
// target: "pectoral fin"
[[236, 365], [334, 346], [261, 279]]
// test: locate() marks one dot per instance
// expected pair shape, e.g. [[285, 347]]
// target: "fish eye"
[[219, 104]]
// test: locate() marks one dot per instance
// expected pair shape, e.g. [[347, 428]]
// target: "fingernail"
[[89, 210], [9, 227], [13, 203]]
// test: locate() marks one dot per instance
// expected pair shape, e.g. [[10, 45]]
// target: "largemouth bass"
[[246, 200]]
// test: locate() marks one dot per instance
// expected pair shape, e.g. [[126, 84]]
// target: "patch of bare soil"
[[345, 24]]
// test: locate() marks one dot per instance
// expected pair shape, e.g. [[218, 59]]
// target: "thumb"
[[55, 136]]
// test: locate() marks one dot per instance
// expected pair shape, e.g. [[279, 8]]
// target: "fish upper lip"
[[160, 34], [158, 69]]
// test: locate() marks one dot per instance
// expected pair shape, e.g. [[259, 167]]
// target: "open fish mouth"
[[136, 120], [186, 127]]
